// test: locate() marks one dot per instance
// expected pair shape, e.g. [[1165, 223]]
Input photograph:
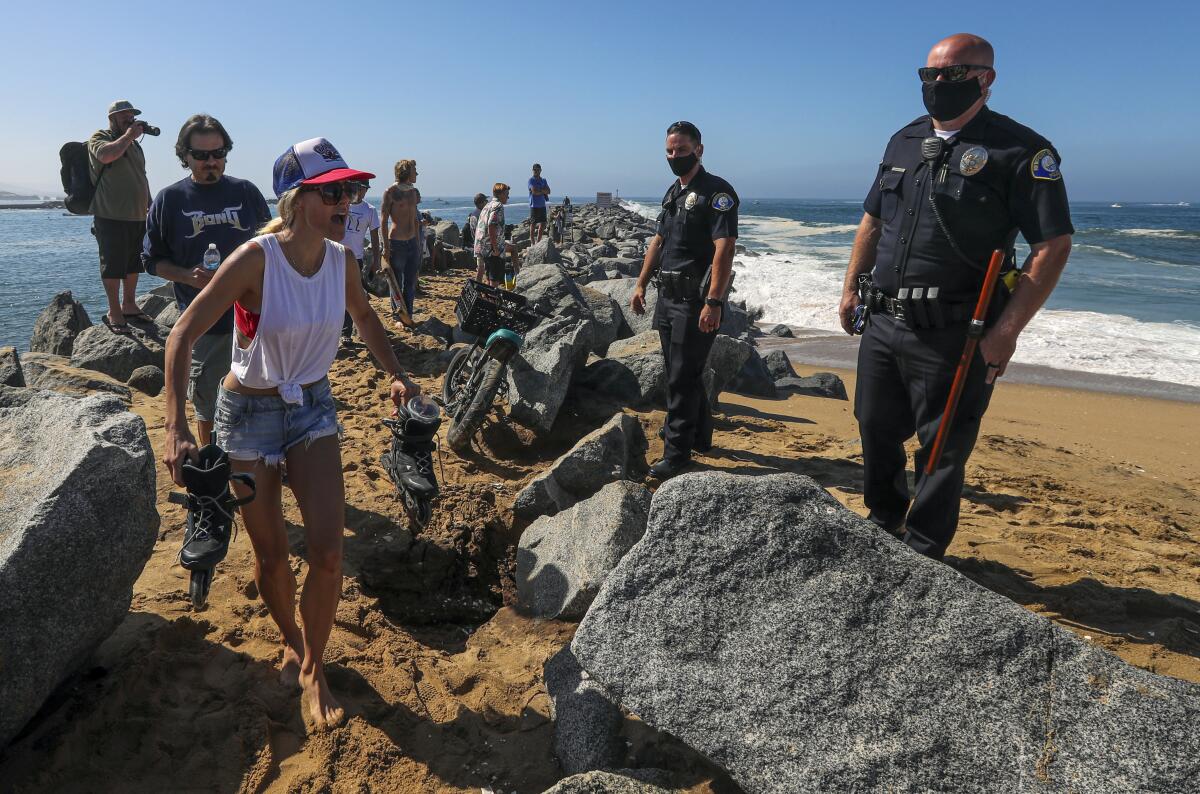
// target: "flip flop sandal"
[[140, 317], [116, 328]]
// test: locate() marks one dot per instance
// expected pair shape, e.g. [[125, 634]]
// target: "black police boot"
[[666, 468]]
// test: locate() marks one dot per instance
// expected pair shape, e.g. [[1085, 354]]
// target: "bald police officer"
[[693, 251], [953, 186]]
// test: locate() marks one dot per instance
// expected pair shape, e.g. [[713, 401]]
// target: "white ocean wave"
[[1168, 234]]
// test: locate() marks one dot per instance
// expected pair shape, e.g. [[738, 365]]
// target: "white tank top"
[[299, 326]]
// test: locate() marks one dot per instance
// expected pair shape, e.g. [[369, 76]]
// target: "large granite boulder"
[[819, 384], [754, 379], [779, 365], [58, 325], [624, 265], [10, 367], [79, 523], [620, 782], [735, 320], [563, 559], [621, 290], [152, 303], [542, 252], [587, 724], [610, 320], [541, 373], [170, 315], [447, 233], [118, 355], [612, 452], [725, 360], [548, 288], [47, 371], [801, 649], [148, 380], [632, 375]]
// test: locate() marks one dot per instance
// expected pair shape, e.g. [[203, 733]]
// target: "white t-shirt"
[[946, 134], [361, 219]]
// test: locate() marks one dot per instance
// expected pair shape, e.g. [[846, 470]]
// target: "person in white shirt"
[[361, 220]]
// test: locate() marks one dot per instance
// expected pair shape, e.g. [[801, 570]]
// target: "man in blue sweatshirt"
[[206, 208]]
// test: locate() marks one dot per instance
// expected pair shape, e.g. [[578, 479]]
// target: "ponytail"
[[287, 213]]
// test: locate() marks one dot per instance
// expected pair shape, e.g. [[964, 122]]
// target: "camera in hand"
[[149, 129]]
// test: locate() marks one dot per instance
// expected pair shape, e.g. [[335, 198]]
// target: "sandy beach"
[[1080, 505]]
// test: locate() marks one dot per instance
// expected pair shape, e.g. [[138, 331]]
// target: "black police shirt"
[[994, 178], [692, 218]]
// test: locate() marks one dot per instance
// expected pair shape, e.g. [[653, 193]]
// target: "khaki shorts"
[[211, 358]]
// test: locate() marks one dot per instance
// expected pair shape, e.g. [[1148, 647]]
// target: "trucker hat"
[[312, 162]]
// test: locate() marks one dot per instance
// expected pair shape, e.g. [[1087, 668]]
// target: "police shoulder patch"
[[722, 202], [1045, 166]]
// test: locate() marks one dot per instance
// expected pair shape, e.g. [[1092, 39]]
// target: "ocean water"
[[1128, 303]]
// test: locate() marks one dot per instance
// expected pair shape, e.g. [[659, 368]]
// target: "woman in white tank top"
[[290, 288]]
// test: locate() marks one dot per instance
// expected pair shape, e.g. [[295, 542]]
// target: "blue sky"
[[795, 100]]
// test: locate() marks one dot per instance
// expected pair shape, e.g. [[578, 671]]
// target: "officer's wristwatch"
[[717, 304]]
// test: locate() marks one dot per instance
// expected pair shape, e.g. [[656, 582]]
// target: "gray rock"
[[606, 231], [610, 320], [79, 523], [579, 235], [447, 233], [541, 373], [779, 365], [548, 288], [436, 328], [542, 252], [754, 379], [168, 316], [612, 452], [152, 304], [621, 290], [464, 258], [602, 250], [58, 325], [735, 320], [626, 266], [781, 330], [607, 783], [819, 384], [801, 649], [632, 375], [563, 559], [47, 371], [587, 724], [725, 360], [10, 367], [119, 355], [148, 380], [167, 290]]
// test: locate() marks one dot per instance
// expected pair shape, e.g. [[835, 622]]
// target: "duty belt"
[[679, 285], [919, 307]]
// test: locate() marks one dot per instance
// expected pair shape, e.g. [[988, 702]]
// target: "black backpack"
[[76, 174]]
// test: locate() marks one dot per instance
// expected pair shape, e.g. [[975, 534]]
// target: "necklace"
[[306, 273]]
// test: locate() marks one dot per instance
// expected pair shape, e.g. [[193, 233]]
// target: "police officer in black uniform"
[[693, 252], [953, 186]]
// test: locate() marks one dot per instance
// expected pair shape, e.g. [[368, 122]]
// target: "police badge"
[[690, 201], [973, 160]]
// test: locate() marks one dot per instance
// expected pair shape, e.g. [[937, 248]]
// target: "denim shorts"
[[264, 427]]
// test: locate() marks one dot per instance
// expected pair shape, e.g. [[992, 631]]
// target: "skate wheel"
[[420, 511], [198, 589]]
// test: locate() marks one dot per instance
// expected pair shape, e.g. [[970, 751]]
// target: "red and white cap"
[[312, 162]]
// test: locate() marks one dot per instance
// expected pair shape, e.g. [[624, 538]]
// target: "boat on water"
[[1118, 206]]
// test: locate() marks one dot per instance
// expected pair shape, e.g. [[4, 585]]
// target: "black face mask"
[[945, 100], [681, 165]]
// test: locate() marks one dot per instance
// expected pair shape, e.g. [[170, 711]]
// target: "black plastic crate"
[[482, 309]]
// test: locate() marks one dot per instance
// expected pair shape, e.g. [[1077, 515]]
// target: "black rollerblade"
[[410, 460], [211, 505]]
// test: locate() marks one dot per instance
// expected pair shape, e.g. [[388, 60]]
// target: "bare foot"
[[324, 711], [289, 670]]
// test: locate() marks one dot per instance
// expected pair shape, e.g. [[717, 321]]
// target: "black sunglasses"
[[333, 192], [953, 74], [204, 154]]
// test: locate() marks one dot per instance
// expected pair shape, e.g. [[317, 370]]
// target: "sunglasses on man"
[[204, 154], [333, 192], [953, 74]]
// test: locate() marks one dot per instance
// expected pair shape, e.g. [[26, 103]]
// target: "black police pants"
[[685, 354], [904, 378]]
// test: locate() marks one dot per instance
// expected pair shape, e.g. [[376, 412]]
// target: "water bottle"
[[510, 278], [212, 257]]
